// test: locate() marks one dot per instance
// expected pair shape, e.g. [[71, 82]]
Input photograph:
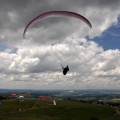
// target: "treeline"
[[109, 102]]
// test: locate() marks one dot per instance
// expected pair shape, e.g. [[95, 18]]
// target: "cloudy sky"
[[34, 62]]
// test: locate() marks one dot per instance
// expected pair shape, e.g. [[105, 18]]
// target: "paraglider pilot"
[[65, 70]]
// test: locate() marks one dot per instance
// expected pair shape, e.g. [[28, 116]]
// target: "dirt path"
[[117, 111], [34, 106]]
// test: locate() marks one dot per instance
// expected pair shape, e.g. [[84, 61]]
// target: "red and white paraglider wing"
[[56, 14]]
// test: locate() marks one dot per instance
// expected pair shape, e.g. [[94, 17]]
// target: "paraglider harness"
[[65, 70]]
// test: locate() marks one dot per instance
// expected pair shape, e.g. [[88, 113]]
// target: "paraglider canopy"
[[26, 94], [13, 95], [42, 97], [21, 97], [56, 14]]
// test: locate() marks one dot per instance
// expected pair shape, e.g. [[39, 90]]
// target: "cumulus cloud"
[[35, 61], [41, 65]]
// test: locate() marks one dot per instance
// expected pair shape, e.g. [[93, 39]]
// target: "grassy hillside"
[[64, 110]]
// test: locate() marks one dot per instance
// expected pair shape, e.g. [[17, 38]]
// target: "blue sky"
[[110, 38], [2, 47]]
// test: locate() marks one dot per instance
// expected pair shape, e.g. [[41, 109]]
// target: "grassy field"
[[64, 110]]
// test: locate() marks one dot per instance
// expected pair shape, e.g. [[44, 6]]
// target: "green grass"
[[64, 110]]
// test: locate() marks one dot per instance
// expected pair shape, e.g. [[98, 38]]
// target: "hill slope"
[[64, 110]]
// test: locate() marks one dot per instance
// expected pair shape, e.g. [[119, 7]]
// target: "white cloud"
[[89, 65]]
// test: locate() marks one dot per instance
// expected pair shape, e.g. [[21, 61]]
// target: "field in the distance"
[[64, 110]]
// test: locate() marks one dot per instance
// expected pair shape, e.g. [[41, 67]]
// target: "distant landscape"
[[65, 94], [16, 104]]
